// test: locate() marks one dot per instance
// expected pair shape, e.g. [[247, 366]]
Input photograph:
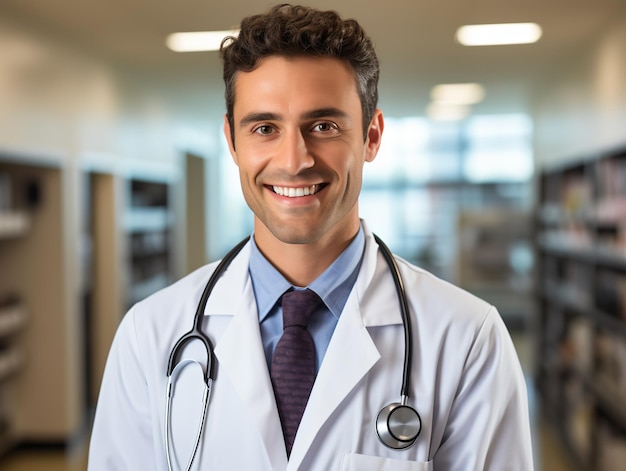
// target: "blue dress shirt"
[[333, 287]]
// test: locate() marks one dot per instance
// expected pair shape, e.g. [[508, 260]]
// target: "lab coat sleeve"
[[489, 424], [122, 435]]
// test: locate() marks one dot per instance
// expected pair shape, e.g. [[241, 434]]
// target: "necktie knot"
[[298, 307]]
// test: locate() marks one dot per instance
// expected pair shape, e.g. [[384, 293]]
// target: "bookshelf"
[[581, 287]]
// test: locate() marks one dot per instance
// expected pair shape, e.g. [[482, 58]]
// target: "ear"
[[229, 139], [374, 135]]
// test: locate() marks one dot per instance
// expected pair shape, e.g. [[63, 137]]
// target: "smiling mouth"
[[295, 192]]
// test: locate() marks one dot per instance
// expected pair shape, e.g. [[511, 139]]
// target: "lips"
[[295, 192]]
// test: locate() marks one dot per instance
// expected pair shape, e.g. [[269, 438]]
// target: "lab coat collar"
[[226, 297], [375, 288], [374, 271]]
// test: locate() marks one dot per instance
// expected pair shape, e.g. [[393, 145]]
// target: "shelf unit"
[[129, 223], [79, 243], [14, 225], [148, 225], [581, 288], [19, 195], [13, 320], [494, 261]]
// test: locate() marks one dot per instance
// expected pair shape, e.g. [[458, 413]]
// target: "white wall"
[[581, 109], [57, 98]]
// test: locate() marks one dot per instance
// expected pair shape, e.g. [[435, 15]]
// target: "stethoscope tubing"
[[404, 312], [168, 414], [196, 333], [209, 373]]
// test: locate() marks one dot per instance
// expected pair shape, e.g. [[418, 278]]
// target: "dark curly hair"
[[289, 31]]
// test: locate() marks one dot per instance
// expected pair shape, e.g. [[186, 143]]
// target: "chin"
[[295, 235]]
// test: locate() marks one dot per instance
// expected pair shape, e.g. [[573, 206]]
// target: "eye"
[[325, 127], [264, 130]]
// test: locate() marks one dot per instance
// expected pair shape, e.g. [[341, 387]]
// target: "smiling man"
[[325, 351]]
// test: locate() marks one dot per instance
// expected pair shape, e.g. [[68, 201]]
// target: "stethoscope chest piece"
[[398, 425]]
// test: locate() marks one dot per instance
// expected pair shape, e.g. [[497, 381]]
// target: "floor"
[[45, 460], [548, 453]]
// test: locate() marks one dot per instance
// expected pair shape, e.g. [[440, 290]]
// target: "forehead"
[[296, 82]]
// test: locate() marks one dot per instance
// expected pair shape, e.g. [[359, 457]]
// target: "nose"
[[294, 155]]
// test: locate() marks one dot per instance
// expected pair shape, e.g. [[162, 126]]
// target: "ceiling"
[[414, 40]]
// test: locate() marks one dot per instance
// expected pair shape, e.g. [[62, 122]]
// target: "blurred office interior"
[[115, 180]]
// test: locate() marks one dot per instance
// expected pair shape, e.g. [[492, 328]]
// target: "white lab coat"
[[466, 384]]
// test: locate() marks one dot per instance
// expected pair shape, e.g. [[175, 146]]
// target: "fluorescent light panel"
[[198, 40], [498, 34], [458, 93], [447, 112]]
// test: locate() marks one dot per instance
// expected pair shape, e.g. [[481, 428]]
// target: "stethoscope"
[[397, 424]]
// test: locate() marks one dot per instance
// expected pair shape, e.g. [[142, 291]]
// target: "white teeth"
[[295, 192]]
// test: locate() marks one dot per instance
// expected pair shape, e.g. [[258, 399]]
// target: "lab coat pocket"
[[356, 462]]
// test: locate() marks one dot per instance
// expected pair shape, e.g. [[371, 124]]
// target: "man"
[[301, 93]]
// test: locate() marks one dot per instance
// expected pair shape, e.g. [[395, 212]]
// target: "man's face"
[[300, 149]]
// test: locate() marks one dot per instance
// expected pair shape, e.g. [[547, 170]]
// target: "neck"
[[301, 264]]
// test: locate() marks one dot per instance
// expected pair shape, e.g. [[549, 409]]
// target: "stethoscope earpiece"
[[398, 425]]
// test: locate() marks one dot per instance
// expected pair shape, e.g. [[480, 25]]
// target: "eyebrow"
[[326, 113], [256, 117], [314, 114]]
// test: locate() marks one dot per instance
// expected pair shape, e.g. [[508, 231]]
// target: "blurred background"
[[115, 180]]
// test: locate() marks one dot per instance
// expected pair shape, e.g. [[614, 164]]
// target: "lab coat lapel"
[[239, 352], [350, 355]]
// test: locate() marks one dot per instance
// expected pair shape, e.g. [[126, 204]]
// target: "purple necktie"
[[293, 364]]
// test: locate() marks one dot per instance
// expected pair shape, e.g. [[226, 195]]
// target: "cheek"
[[353, 167], [249, 163], [353, 178]]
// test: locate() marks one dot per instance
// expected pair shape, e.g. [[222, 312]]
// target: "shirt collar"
[[333, 286]]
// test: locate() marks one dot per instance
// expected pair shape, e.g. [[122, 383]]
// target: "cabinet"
[[581, 286]]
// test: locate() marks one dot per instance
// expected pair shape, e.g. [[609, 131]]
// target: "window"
[[425, 175]]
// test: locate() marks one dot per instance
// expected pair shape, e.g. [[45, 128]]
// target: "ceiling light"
[[445, 112], [198, 40], [496, 34], [458, 93]]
